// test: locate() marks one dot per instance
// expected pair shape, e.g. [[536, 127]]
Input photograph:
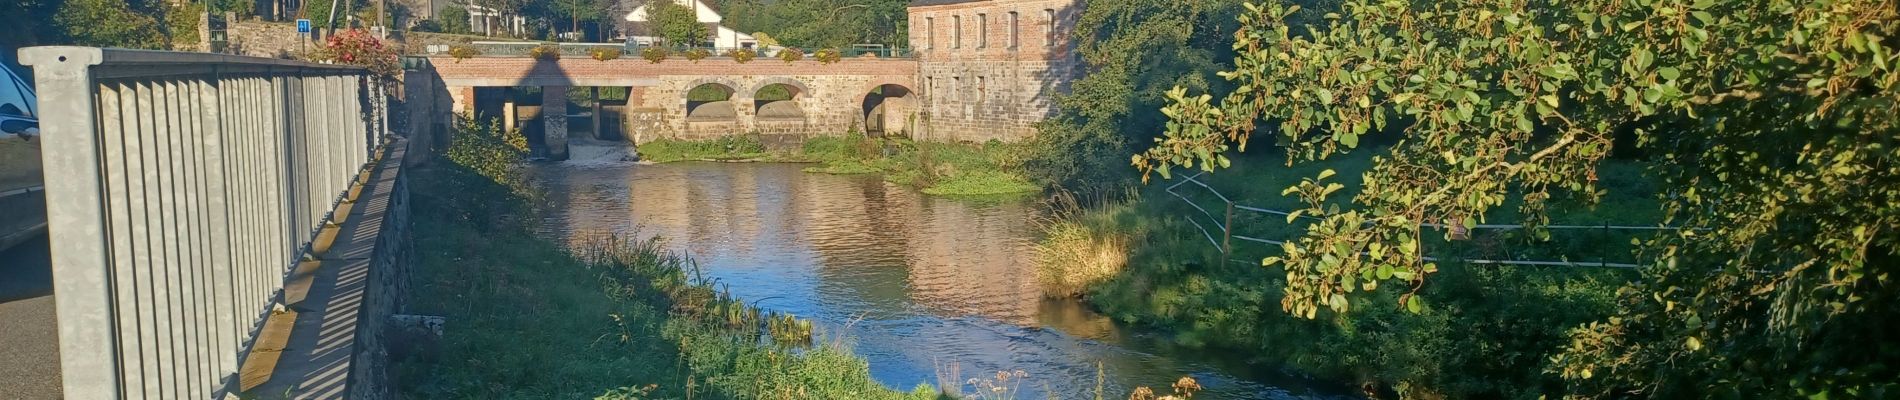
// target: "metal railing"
[[1225, 224], [181, 189], [632, 50]]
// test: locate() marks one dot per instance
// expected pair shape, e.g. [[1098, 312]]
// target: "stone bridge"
[[685, 99]]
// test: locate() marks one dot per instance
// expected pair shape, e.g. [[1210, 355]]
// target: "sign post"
[[303, 32]]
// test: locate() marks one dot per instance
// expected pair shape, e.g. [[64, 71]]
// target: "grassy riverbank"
[[945, 169], [532, 318], [1486, 330]]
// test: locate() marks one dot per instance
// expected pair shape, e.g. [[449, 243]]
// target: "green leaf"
[[1349, 139], [1413, 304]]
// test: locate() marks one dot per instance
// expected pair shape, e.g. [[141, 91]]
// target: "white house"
[[491, 22], [723, 37]]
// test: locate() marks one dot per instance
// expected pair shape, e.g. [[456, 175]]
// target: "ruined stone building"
[[990, 69]]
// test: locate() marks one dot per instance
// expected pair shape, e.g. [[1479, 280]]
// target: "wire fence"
[[1231, 214]]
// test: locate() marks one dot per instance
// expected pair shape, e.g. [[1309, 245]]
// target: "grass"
[[1486, 330], [529, 318], [943, 169]]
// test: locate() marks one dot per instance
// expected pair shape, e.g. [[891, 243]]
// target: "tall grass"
[[1072, 256]]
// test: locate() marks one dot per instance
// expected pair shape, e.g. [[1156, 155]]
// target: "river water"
[[912, 283]]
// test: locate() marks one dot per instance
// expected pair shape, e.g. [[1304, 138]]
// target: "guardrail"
[[181, 187]]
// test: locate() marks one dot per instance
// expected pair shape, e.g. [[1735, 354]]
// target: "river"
[[912, 283]]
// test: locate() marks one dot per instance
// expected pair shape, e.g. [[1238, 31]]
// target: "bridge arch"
[[710, 99], [779, 98], [887, 106]]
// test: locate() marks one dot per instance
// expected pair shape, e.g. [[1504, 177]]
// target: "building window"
[[1049, 27], [956, 31], [982, 89], [930, 32], [982, 31], [1013, 31]]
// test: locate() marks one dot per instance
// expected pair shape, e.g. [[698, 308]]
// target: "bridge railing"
[[181, 188]]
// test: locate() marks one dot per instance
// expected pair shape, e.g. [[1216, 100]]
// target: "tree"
[[677, 24], [1135, 51], [455, 19], [822, 23], [1771, 123], [577, 10], [110, 23]]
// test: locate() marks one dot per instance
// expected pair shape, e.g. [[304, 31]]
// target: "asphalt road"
[[29, 330]]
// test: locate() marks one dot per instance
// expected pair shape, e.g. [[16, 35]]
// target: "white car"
[[22, 188]]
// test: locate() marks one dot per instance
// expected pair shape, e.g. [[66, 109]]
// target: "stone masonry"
[[985, 70], [991, 68]]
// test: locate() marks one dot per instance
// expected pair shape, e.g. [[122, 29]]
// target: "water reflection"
[[910, 281]]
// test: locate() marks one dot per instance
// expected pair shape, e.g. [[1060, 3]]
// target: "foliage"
[[455, 19], [765, 40], [1072, 258], [181, 23], [359, 47], [604, 53], [545, 52], [676, 23], [696, 54], [461, 52], [319, 13], [578, 10], [1135, 51], [1772, 121], [791, 54], [827, 55], [655, 54], [733, 147], [109, 23], [820, 23], [742, 56]]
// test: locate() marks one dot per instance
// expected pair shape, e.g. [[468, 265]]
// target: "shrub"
[[654, 54], [358, 47], [791, 54], [547, 52], [604, 53], [697, 54], [742, 55], [828, 56], [463, 52]]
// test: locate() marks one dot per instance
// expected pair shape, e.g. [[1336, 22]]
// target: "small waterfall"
[[591, 153]]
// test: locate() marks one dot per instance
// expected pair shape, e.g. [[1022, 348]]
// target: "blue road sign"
[[303, 26]]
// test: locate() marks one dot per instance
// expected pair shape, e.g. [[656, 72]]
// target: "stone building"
[[990, 69]]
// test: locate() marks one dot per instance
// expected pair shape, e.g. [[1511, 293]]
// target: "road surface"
[[29, 332]]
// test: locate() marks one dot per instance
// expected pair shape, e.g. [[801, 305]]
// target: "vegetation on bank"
[[1485, 332], [945, 169], [531, 318]]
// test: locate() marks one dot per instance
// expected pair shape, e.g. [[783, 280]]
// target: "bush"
[[791, 54], [358, 47], [697, 54], [604, 53], [828, 56], [742, 55], [545, 52], [427, 25], [654, 54], [463, 52]]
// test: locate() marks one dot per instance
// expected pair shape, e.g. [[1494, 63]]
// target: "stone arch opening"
[[887, 110], [778, 101], [711, 101]]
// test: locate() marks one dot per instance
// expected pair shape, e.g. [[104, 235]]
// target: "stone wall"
[[831, 98], [423, 112], [266, 39], [388, 283], [991, 69]]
